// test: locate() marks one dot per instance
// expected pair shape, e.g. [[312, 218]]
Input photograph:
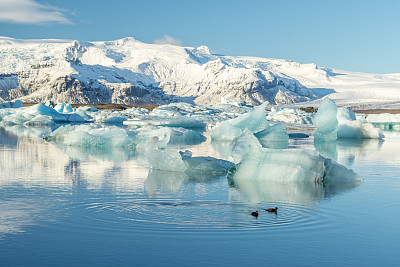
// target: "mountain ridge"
[[127, 71]]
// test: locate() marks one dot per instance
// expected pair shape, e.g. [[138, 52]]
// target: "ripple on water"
[[173, 214]]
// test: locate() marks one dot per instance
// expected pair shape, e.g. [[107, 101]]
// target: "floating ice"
[[290, 116], [383, 118], [11, 104], [326, 122], [274, 136], [333, 123], [63, 108], [171, 122], [92, 135], [284, 165], [351, 128], [254, 121], [174, 161]]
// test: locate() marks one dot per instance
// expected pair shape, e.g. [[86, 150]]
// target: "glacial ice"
[[350, 127], [383, 118], [274, 136], [326, 122], [289, 115], [284, 165], [91, 135], [341, 123], [183, 162], [170, 122], [11, 104]]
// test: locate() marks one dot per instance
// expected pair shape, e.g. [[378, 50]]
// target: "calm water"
[[68, 206]]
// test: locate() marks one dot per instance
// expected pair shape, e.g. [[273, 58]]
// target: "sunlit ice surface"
[[63, 205]]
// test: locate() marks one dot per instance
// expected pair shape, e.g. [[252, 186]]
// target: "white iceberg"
[[284, 165], [289, 115], [351, 128]]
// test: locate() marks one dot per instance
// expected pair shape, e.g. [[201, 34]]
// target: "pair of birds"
[[274, 210]]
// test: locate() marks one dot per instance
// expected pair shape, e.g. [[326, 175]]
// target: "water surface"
[[68, 206]]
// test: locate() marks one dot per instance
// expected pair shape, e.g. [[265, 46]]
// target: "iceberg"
[[284, 165], [11, 104], [274, 136], [326, 122], [333, 123], [289, 115], [183, 162], [383, 118], [171, 122], [92, 135], [350, 127]]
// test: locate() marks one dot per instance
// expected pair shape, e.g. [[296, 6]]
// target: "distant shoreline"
[[106, 106], [151, 107]]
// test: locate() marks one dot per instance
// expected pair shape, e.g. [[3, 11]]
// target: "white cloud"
[[168, 40], [31, 12]]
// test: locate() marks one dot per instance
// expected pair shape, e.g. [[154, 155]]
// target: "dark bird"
[[255, 213], [274, 210]]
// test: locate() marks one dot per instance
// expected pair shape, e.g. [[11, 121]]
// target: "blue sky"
[[351, 35]]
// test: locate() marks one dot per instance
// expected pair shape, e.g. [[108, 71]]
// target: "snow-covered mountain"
[[127, 71]]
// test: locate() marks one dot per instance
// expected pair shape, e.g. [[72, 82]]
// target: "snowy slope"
[[128, 71]]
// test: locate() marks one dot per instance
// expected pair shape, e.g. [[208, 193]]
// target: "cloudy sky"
[[351, 35]]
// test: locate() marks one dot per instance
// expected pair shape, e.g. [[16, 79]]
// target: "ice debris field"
[[253, 142]]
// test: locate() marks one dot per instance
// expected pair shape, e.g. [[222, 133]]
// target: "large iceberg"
[[283, 165]]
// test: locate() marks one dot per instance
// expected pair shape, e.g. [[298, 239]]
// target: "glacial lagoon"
[[68, 206]]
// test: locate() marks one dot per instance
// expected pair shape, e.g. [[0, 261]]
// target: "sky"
[[349, 35]]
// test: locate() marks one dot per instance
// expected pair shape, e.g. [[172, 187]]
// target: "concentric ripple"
[[172, 214]]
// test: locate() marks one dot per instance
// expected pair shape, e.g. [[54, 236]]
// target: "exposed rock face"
[[127, 71]]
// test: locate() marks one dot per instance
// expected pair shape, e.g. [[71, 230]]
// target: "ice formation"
[[92, 135], [383, 118], [11, 104], [274, 136], [290, 115], [333, 123], [326, 122], [254, 121], [183, 162], [38, 114], [352, 128], [284, 165]]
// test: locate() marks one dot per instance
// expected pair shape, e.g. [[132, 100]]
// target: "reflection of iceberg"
[[171, 160], [346, 150], [36, 132], [290, 192]]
